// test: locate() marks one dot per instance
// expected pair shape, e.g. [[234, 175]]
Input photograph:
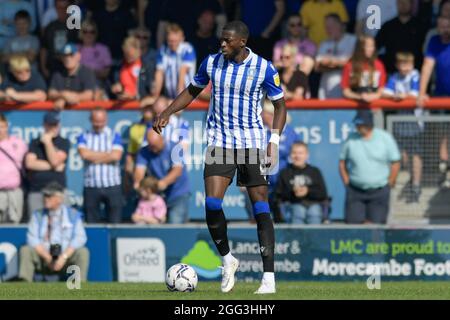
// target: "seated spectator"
[[22, 84], [94, 55], [46, 161], [101, 149], [12, 153], [369, 165], [402, 85], [126, 87], [75, 83], [148, 69], [297, 36], [301, 189], [364, 76], [205, 41], [56, 36], [313, 15], [404, 33], [176, 63], [151, 208], [23, 42], [8, 10], [333, 54], [114, 21], [388, 10], [56, 238], [156, 159], [293, 80]]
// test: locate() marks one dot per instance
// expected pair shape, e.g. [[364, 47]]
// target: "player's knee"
[[213, 204], [260, 207]]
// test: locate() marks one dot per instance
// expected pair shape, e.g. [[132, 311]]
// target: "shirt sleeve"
[[34, 146], [188, 56], [393, 150], [64, 145], [344, 151], [201, 79], [117, 142], [81, 141], [160, 65], [40, 83], [272, 83], [345, 81], [141, 159], [56, 82], [432, 50], [160, 208], [383, 74], [390, 86], [415, 85], [89, 81], [33, 232], [79, 237]]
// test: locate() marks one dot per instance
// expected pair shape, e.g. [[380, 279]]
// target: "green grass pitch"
[[242, 291]]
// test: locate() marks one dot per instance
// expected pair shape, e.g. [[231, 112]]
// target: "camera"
[[55, 251]]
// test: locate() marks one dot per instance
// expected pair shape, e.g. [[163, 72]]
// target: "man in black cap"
[[56, 238], [46, 160], [369, 165]]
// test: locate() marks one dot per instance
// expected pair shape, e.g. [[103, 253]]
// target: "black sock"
[[217, 226], [266, 236]]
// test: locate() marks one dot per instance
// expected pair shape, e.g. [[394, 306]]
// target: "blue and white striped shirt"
[[106, 174], [170, 62], [234, 118]]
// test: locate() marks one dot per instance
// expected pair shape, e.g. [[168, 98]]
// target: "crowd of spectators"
[[149, 51]]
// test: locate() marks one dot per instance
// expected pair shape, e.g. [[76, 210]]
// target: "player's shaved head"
[[238, 27]]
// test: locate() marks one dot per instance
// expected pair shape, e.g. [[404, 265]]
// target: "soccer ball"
[[181, 277]]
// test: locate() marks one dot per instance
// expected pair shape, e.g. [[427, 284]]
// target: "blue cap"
[[364, 117], [69, 48], [52, 118]]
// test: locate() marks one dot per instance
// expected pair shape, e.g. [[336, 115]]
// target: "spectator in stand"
[[388, 11], [56, 238], [101, 149], [56, 36], [114, 21], [75, 83], [444, 11], [404, 33], [263, 18], [301, 189], [137, 133], [176, 63], [12, 153], [369, 165], [148, 57], [8, 10], [94, 55], [127, 84], [297, 36], [364, 76], [293, 80], [205, 41], [313, 13], [151, 208], [23, 42], [46, 161], [22, 84], [401, 85], [333, 55], [437, 56], [156, 159]]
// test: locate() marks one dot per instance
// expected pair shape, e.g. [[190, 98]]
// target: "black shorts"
[[224, 162]]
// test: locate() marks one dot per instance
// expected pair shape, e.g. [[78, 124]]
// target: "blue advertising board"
[[324, 131]]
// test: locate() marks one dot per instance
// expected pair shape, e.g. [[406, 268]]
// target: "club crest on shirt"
[[276, 79], [251, 73]]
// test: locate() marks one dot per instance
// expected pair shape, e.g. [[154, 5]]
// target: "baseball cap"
[[52, 118], [363, 117], [69, 48], [52, 188]]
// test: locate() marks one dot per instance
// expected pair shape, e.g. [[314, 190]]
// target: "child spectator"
[[8, 10], [294, 81], [404, 84], [301, 189], [127, 86], [151, 208], [24, 42], [364, 76]]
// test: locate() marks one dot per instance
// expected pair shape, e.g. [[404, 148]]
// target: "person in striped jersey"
[[101, 149], [236, 140]]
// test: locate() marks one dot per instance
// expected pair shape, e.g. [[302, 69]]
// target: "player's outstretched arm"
[[180, 102], [279, 116]]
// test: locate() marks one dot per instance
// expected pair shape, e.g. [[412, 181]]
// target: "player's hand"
[[271, 159], [160, 122]]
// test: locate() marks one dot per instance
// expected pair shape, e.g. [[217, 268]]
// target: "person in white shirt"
[[333, 54]]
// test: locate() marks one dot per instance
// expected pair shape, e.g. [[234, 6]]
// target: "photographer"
[[56, 238]]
